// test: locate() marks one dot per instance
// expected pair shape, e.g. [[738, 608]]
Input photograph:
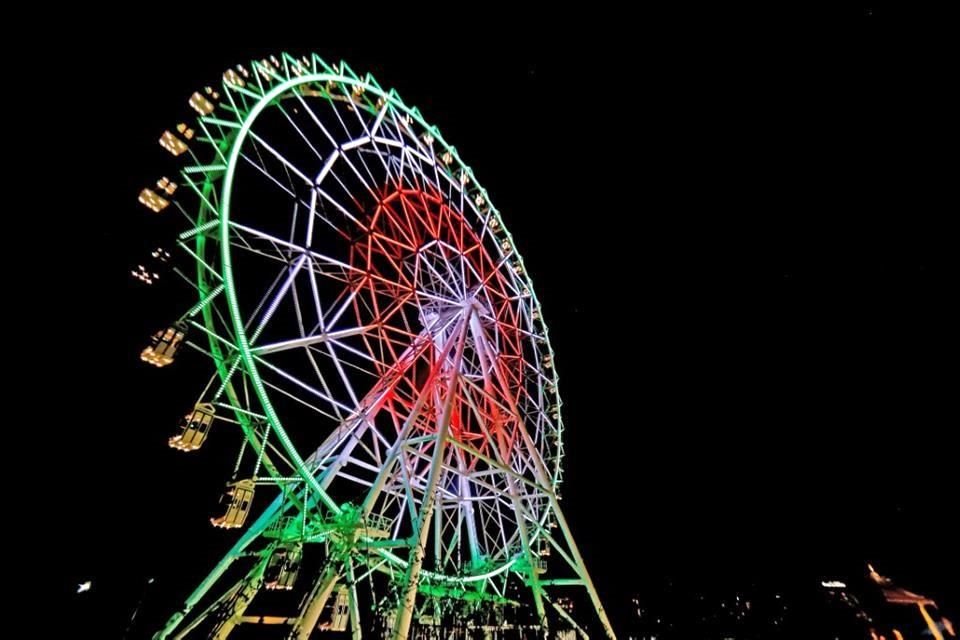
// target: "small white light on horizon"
[[84, 586]]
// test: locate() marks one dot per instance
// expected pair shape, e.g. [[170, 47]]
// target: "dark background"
[[739, 225]]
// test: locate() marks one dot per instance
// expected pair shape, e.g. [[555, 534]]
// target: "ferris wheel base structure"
[[231, 607], [377, 342]]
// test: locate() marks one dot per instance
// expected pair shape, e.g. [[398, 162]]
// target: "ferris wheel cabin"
[[164, 345]]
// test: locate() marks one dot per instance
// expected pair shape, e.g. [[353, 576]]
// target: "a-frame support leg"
[[313, 608], [238, 604]]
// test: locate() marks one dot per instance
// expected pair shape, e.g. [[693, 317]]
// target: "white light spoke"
[[306, 341], [286, 163]]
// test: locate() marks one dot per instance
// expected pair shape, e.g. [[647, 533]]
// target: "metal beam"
[[412, 578]]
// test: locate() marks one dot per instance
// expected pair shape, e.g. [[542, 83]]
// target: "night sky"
[[739, 227]]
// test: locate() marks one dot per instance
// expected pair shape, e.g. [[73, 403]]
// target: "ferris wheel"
[[381, 372]]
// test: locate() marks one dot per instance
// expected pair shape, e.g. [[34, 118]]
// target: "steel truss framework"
[[377, 341]]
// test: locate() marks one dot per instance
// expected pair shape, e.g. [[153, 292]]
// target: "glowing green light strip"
[[204, 168], [204, 302], [206, 226]]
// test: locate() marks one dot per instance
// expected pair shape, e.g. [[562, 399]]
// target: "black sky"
[[740, 227]]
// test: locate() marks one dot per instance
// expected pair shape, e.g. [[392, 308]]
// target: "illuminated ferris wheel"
[[378, 347]]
